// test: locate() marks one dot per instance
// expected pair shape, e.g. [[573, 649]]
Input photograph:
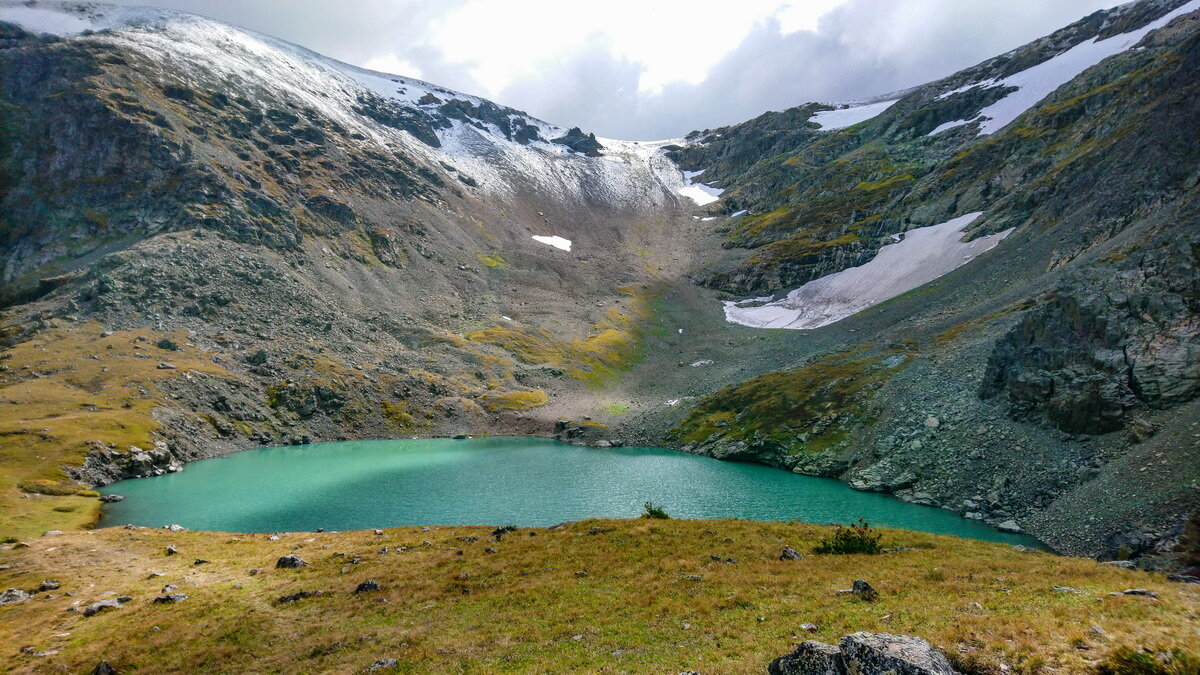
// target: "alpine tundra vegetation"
[[980, 294]]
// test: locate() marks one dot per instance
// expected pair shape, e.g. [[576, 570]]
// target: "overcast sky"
[[647, 69]]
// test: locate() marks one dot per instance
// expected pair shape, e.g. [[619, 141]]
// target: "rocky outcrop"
[[863, 653], [1104, 346]]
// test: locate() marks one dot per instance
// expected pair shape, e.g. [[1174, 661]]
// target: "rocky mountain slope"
[[213, 240]]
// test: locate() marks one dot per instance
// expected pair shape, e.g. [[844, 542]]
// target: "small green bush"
[[857, 538], [1128, 661], [652, 511]]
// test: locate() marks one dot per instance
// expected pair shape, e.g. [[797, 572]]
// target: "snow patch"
[[950, 125], [698, 192], [924, 254], [848, 117], [1036, 83], [555, 241]]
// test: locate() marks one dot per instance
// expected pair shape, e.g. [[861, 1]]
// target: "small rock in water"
[[112, 499], [290, 562]]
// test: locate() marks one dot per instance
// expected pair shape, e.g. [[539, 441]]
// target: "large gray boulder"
[[810, 658], [897, 654], [864, 654]]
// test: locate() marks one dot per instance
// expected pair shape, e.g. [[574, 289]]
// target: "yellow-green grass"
[[63, 390], [631, 596]]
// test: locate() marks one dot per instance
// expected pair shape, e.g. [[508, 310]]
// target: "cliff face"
[[325, 252]]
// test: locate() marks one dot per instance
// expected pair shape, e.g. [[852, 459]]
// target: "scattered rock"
[[384, 664], [13, 595], [790, 554], [809, 658], [810, 627], [898, 654], [111, 603], [166, 366], [103, 668], [378, 531], [295, 597], [367, 586], [490, 550], [1009, 526], [170, 599], [1123, 564], [112, 499], [1137, 592], [932, 422], [862, 590], [175, 528], [1067, 589], [171, 550], [200, 561], [51, 533], [864, 653], [48, 585], [289, 562]]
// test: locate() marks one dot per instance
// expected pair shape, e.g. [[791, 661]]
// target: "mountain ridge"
[[362, 264]]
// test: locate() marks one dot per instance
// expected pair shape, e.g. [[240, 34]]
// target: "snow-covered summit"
[[498, 149]]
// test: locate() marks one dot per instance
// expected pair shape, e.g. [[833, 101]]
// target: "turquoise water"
[[494, 481]]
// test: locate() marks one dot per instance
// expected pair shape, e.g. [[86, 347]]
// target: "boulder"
[[896, 654], [789, 554], [170, 599], [48, 585], [111, 603], [384, 664], [809, 658], [367, 586], [289, 562], [864, 654], [862, 590], [13, 595], [103, 668]]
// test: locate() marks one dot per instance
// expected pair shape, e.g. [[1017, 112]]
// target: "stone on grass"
[[898, 654], [13, 595], [809, 658], [790, 554], [289, 562], [103, 668], [384, 664], [862, 590], [863, 653], [170, 599], [97, 607], [367, 586], [49, 585]]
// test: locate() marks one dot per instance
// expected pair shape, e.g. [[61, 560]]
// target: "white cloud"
[[653, 69]]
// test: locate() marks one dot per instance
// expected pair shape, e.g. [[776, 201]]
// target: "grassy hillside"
[[596, 596]]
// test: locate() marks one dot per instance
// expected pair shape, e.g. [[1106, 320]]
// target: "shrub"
[[857, 538], [652, 511], [1189, 544], [1127, 661]]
